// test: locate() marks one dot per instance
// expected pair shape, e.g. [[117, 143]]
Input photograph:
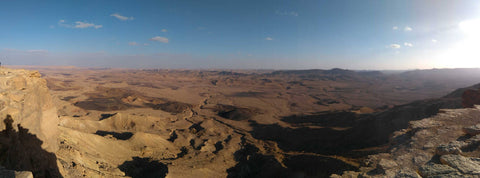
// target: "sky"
[[242, 34]]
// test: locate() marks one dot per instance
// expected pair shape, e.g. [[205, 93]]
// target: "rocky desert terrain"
[[91, 122]]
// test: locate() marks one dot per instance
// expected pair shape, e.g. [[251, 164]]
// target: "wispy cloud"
[[78, 24], [164, 30], [408, 29], [288, 13], [121, 17], [408, 44], [434, 41], [160, 39], [269, 38], [395, 46], [395, 28]]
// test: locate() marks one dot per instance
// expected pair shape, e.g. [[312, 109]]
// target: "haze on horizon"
[[271, 34]]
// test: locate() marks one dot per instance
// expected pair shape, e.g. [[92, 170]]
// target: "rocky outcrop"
[[29, 126], [446, 145], [25, 97]]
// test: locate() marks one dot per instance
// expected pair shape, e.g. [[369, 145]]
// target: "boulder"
[[463, 164], [450, 148], [432, 169], [472, 130], [386, 164]]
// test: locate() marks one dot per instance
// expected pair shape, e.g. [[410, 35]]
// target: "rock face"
[[446, 145], [25, 97], [28, 126]]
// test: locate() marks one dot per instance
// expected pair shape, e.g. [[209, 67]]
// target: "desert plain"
[[236, 123]]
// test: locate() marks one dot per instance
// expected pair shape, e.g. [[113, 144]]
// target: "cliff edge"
[[29, 124], [445, 145]]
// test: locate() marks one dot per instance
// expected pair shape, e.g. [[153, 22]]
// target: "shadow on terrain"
[[22, 151], [324, 119], [316, 166], [172, 107], [103, 104], [144, 168], [251, 163], [106, 116], [364, 131], [235, 113], [119, 136]]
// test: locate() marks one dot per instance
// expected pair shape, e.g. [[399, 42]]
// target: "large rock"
[[25, 97], [463, 164], [472, 130], [433, 169], [454, 147]]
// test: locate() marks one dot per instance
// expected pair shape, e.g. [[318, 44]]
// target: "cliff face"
[[28, 126], [445, 145], [25, 97]]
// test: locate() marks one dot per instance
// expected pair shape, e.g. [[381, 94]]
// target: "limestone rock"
[[433, 169], [472, 130], [404, 173], [463, 164], [450, 148], [25, 97], [386, 164]]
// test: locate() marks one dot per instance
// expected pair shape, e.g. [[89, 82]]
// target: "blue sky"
[[270, 34]]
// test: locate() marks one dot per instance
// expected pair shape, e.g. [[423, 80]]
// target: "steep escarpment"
[[445, 145], [28, 137]]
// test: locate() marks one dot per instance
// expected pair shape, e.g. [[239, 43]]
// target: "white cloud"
[[120, 17], [78, 24], [86, 25], [408, 29], [164, 30], [268, 38], [408, 44], [434, 41], [160, 39], [395, 28], [395, 46]]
